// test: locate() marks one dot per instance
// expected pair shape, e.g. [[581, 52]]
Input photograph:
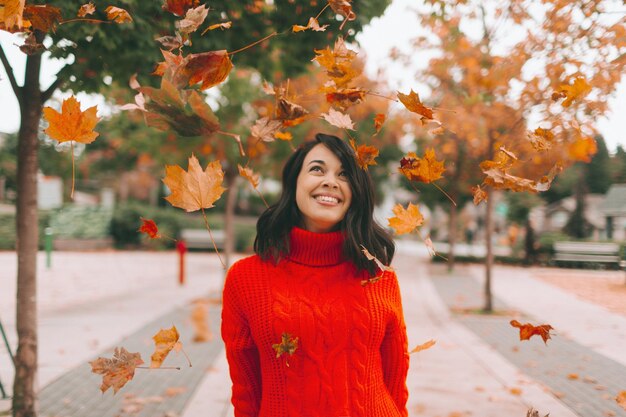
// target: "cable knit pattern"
[[352, 357]]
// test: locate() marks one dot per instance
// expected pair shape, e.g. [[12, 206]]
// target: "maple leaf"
[[406, 220], [211, 68], [13, 15], [223, 25], [165, 341], [579, 89], [343, 8], [426, 169], [71, 123], [86, 10], [264, 129], [288, 345], [412, 102], [379, 119], [364, 154], [497, 177], [338, 119], [195, 189], [338, 63], [423, 346], [289, 113], [480, 195], [117, 14], [150, 228], [249, 175], [179, 7], [171, 64], [621, 399], [193, 19], [582, 149], [541, 139], [170, 43], [283, 135], [31, 46], [313, 25], [199, 320], [527, 330], [116, 372], [43, 17], [345, 97]]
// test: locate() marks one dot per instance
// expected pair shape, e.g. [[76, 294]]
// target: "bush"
[[81, 222], [127, 220], [8, 232]]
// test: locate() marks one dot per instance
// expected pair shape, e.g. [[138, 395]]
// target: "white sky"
[[394, 29]]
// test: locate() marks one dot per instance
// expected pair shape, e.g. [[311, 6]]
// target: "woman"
[[306, 282]]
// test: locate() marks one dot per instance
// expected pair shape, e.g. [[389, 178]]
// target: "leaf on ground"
[[480, 195], [118, 15], [621, 399], [71, 123], [527, 330], [515, 391], [86, 10], [116, 372], [193, 19], [572, 376], [412, 102], [288, 344], [338, 119], [43, 17], [200, 322], [578, 90], [423, 346], [426, 169], [249, 175], [379, 119], [343, 8], [313, 24], [179, 7], [582, 149], [365, 155], [534, 413], [406, 220], [174, 391], [541, 139], [150, 228], [165, 341], [265, 129], [195, 188]]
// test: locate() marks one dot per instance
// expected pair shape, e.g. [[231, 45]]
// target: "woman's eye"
[[316, 168]]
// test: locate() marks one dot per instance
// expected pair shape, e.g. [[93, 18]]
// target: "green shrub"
[[8, 232], [79, 222]]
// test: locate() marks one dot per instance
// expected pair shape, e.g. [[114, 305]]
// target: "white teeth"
[[326, 198]]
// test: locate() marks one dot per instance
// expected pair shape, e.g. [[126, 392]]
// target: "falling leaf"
[[193, 19], [579, 89], [13, 15], [378, 263], [200, 322], [116, 372], [412, 102], [264, 129], [313, 25], [195, 189], [71, 123], [288, 345], [169, 43], [430, 246], [338, 63], [582, 149], [43, 17], [365, 155], [211, 68], [249, 175], [508, 153], [423, 346], [150, 228], [179, 7], [480, 194], [118, 15], [621, 399], [223, 25], [406, 220], [343, 8], [286, 111], [527, 330], [345, 97], [31, 46], [283, 135], [541, 139], [426, 169], [338, 119], [86, 10], [165, 341], [379, 119]]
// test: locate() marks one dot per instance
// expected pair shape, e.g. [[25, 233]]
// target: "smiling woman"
[[303, 334]]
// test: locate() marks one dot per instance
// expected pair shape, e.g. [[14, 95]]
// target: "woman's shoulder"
[[250, 265]]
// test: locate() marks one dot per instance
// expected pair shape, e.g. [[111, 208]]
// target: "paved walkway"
[[92, 302]]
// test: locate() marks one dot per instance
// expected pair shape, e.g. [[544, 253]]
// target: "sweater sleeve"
[[394, 351], [241, 352]]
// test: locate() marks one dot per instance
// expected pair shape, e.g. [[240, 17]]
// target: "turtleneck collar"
[[315, 249]]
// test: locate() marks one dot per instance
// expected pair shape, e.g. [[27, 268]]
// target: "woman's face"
[[323, 192]]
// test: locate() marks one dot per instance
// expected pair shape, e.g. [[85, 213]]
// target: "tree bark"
[[24, 398], [452, 236], [488, 307]]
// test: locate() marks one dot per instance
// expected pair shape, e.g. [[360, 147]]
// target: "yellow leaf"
[[423, 346], [406, 220], [116, 372], [576, 91], [165, 340], [117, 14], [71, 123]]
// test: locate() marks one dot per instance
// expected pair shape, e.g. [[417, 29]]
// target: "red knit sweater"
[[351, 358]]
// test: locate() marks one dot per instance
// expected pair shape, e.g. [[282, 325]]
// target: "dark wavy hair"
[[358, 225]]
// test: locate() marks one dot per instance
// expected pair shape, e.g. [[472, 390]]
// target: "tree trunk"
[[230, 176], [24, 398], [452, 236], [488, 307]]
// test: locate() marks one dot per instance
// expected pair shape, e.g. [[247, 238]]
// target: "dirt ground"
[[605, 288]]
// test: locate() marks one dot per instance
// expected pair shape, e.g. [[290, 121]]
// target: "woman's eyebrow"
[[319, 161]]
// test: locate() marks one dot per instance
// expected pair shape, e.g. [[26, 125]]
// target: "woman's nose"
[[330, 182]]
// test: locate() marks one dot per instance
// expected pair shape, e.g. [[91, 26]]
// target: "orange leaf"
[[338, 63], [195, 189], [576, 91], [480, 195], [364, 154], [313, 25], [264, 129], [223, 25], [287, 344], [345, 97], [118, 15], [211, 68], [515, 391], [165, 340], [193, 19], [406, 220], [621, 399], [582, 149], [283, 135], [179, 7], [423, 346], [338, 119], [343, 8], [249, 175], [426, 169], [541, 139], [43, 17], [379, 119], [86, 10], [527, 330], [288, 111], [13, 15], [200, 322], [412, 102], [116, 372], [150, 228], [572, 376], [71, 123], [378, 263]]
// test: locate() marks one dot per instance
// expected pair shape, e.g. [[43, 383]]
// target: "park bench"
[[606, 254], [200, 238]]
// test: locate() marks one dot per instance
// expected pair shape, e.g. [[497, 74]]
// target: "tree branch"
[[45, 95], [9, 70]]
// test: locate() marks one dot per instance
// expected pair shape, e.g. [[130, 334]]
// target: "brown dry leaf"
[[223, 25], [343, 8], [170, 43], [31, 46], [527, 330], [430, 246], [249, 175], [579, 89], [172, 63], [426, 169], [378, 263], [289, 111], [288, 344], [86, 9], [193, 19], [165, 340], [480, 195], [379, 119], [265, 129], [497, 176], [344, 97], [582, 149], [13, 15], [43, 17], [116, 372], [541, 139], [338, 119], [406, 220], [412, 102], [211, 68], [621, 399], [200, 322], [365, 155], [572, 376], [515, 391], [423, 346], [508, 153], [118, 15], [150, 228], [179, 7], [313, 25], [195, 189], [71, 123]]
